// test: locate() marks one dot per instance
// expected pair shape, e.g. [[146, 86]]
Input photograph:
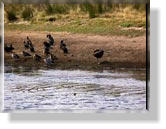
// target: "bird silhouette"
[[37, 57], [32, 49], [48, 60], [9, 48], [29, 42], [98, 53], [65, 50], [46, 44], [26, 54], [15, 56], [26, 45], [46, 51], [63, 47], [51, 39], [62, 44], [53, 57]]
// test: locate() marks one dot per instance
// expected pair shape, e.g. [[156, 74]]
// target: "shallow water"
[[74, 89]]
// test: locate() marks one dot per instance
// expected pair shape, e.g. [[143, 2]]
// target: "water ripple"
[[63, 89]]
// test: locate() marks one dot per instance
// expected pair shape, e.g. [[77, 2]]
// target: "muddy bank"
[[120, 52]]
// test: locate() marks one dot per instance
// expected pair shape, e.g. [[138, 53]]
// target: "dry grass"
[[114, 22]]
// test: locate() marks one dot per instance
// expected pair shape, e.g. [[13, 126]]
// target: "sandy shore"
[[121, 52]]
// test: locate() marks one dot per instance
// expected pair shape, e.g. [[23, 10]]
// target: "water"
[[74, 89]]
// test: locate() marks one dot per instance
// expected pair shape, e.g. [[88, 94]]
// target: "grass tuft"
[[27, 13], [126, 24], [11, 16], [85, 19]]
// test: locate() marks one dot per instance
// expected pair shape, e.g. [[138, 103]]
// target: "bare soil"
[[120, 51]]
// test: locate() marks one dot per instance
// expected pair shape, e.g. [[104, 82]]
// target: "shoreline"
[[75, 65], [123, 52]]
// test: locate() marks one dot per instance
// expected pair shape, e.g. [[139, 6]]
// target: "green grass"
[[99, 26], [126, 24], [117, 21]]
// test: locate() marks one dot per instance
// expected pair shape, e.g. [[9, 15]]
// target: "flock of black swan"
[[47, 45]]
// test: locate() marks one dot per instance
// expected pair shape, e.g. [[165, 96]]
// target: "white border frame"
[[2, 57], [151, 115]]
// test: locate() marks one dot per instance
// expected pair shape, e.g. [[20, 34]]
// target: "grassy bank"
[[112, 20], [117, 29], [97, 26]]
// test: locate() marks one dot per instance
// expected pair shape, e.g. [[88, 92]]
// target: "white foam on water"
[[53, 89], [83, 77]]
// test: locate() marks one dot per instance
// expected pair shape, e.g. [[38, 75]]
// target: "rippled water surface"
[[73, 90]]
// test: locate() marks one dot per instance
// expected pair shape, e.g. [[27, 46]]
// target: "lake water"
[[27, 89]]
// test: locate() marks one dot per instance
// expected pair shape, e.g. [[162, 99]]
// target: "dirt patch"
[[134, 28], [120, 51]]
